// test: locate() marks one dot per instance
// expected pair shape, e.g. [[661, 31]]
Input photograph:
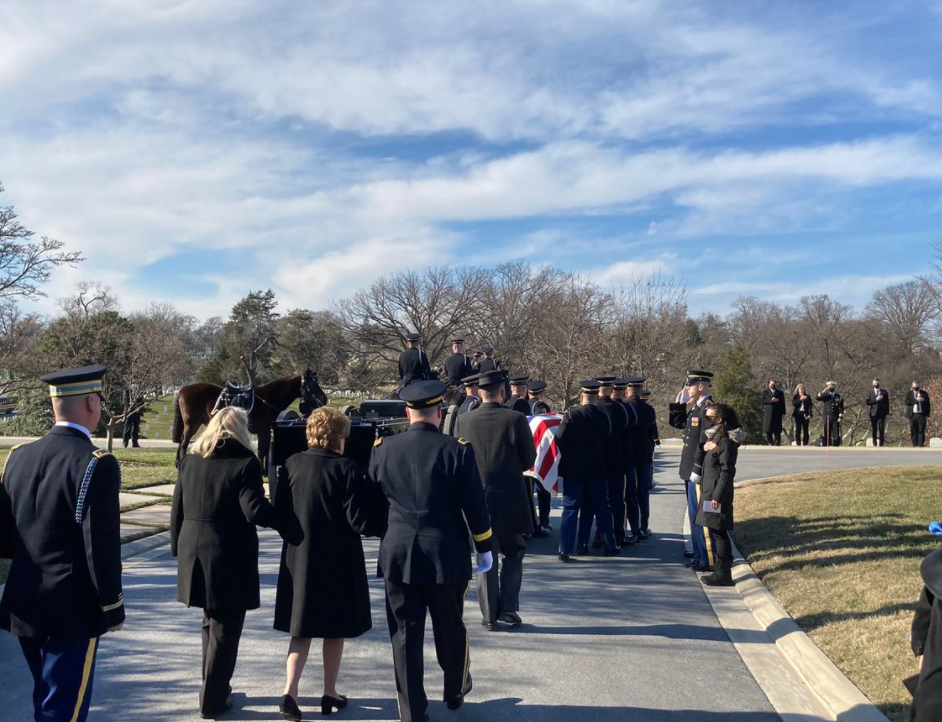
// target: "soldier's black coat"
[[693, 422], [519, 405], [644, 433], [833, 405], [620, 442], [503, 447], [539, 407], [65, 580], [413, 366], [457, 367], [581, 439], [433, 486]]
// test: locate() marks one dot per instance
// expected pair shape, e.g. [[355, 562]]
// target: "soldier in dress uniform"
[[503, 447], [458, 365], [541, 524], [538, 404], [833, 413], [436, 506], [581, 438], [646, 399], [488, 362], [413, 363], [688, 413], [519, 397], [638, 480], [64, 587], [472, 397]]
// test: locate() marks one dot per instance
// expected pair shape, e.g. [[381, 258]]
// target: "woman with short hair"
[[724, 436], [802, 413], [217, 502], [322, 585]]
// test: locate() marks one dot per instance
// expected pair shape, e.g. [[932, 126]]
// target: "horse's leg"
[[264, 446]]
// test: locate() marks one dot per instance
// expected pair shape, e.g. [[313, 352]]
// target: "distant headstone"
[[156, 416], [166, 408], [156, 434], [935, 443], [870, 441]]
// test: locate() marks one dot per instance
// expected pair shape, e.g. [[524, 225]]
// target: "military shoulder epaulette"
[[463, 442], [7, 460], [378, 441], [16, 446], [101, 453]]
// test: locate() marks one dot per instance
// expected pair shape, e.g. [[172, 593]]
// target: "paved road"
[[606, 640]]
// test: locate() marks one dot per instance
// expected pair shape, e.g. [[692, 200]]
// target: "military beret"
[[423, 394], [471, 380], [75, 382], [487, 349], [590, 386], [491, 378], [537, 386], [519, 379], [607, 380], [413, 336]]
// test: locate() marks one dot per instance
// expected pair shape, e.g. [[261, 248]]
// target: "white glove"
[[695, 478], [485, 560]]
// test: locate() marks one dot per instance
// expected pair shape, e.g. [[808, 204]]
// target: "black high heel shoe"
[[289, 708], [329, 703]]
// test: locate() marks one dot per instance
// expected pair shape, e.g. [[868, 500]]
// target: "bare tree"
[[908, 310]]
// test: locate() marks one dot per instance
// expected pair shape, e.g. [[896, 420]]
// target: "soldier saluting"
[[64, 589]]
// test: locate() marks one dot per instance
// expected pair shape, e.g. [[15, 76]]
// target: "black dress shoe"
[[511, 618], [611, 552], [288, 707], [455, 702], [540, 533], [644, 533], [564, 557], [582, 549], [219, 712], [630, 539], [328, 703], [700, 567], [596, 543], [688, 554], [489, 626]]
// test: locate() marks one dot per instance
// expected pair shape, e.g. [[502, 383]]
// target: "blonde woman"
[[217, 502], [801, 403], [322, 585]]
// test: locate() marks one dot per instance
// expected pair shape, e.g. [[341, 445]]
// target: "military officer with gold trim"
[[436, 502], [64, 587]]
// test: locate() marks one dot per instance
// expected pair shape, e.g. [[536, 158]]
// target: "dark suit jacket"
[[216, 504], [503, 447], [65, 581], [911, 401], [879, 409], [435, 498]]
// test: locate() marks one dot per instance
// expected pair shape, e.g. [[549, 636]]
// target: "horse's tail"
[[177, 422]]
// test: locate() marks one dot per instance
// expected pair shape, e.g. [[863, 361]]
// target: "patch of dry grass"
[[841, 551]]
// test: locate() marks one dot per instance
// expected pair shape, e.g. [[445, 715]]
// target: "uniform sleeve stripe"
[[483, 537], [119, 603]]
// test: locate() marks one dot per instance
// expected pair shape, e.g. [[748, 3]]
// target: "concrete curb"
[[836, 692]]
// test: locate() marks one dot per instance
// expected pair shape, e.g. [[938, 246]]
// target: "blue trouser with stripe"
[[700, 555], [63, 672]]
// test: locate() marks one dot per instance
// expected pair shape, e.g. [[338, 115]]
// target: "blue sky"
[[196, 150]]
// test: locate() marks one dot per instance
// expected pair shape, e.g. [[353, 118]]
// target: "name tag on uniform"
[[695, 421], [708, 507]]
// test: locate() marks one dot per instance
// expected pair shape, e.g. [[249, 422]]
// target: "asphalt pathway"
[[629, 638]]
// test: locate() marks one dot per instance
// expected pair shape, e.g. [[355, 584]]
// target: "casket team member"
[[217, 502], [436, 506], [59, 521], [322, 586]]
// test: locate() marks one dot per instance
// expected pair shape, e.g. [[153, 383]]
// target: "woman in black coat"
[[322, 585], [802, 413], [715, 512], [217, 502], [926, 640]]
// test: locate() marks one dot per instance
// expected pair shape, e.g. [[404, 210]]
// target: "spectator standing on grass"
[[917, 411], [802, 412], [724, 436]]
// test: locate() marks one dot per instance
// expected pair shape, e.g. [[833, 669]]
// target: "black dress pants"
[[221, 634], [917, 428], [638, 496], [773, 438], [619, 505], [801, 430], [499, 591], [721, 544], [545, 502], [406, 607], [132, 429], [878, 430]]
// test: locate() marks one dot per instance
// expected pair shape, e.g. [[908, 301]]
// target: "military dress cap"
[[607, 380], [832, 384], [519, 379], [590, 386], [697, 376], [635, 382], [413, 336], [492, 378], [646, 394], [75, 382], [487, 349], [477, 354], [457, 340], [537, 387], [423, 394], [471, 380]]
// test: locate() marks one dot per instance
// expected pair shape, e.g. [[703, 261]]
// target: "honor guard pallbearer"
[[640, 476], [488, 362], [688, 413], [436, 506], [541, 525], [519, 396], [64, 587]]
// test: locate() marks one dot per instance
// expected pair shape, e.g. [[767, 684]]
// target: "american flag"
[[546, 467]]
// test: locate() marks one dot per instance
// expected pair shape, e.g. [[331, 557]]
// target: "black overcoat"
[[457, 366], [773, 409], [216, 504], [503, 448], [926, 640], [59, 506], [322, 586], [581, 438], [719, 472], [413, 366], [692, 420]]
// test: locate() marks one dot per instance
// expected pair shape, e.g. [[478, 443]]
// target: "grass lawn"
[[841, 552]]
